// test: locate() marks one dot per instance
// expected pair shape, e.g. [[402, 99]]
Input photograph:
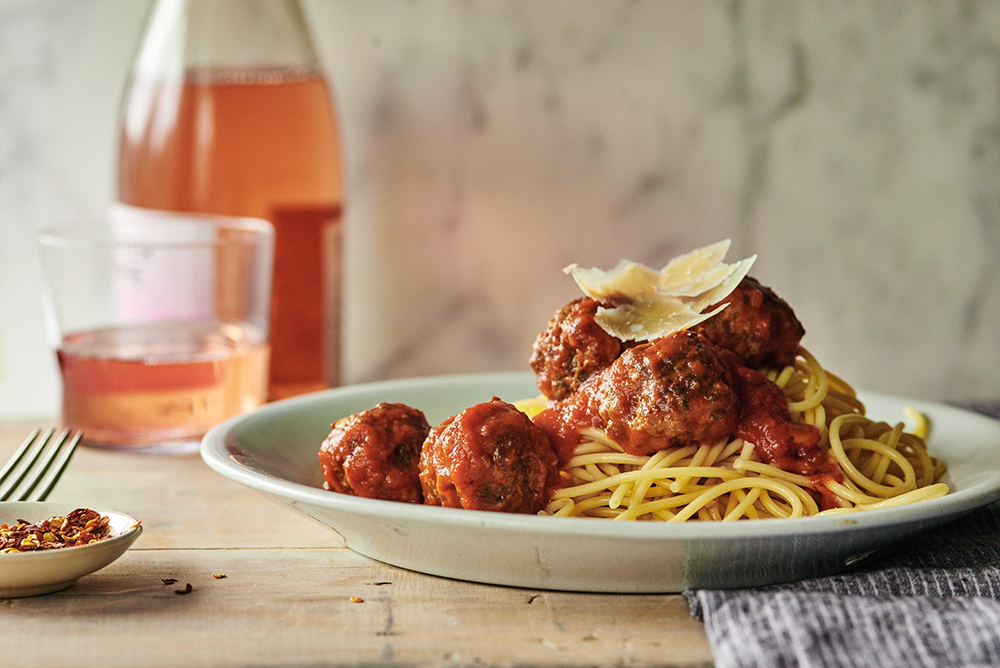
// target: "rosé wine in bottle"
[[238, 119]]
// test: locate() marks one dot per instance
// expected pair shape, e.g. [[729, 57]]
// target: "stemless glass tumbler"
[[160, 324]]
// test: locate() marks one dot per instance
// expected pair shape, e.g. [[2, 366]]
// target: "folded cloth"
[[935, 601]]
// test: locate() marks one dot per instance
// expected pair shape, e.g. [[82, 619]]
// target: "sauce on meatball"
[[757, 325], [572, 349], [489, 457], [376, 453], [671, 391]]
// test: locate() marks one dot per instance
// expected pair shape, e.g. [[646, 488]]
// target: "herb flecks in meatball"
[[376, 453], [757, 325], [488, 457], [673, 391], [572, 349]]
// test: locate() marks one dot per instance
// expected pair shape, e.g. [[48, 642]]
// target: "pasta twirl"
[[883, 465]]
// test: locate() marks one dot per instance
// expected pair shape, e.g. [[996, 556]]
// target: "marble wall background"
[[855, 147]]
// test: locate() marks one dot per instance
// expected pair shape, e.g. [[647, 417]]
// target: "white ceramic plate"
[[46, 571], [274, 450]]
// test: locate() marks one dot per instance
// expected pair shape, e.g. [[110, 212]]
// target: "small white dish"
[[275, 450], [45, 571]]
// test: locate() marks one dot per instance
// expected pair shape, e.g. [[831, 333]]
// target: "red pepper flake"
[[169, 581], [187, 589], [80, 527]]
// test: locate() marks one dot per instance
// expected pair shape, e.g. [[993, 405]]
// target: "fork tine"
[[60, 466], [28, 460], [9, 475]]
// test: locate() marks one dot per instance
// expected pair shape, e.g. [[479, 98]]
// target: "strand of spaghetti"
[[602, 444], [594, 472], [665, 458], [662, 504], [745, 504], [640, 489], [772, 472], [706, 495], [722, 451], [606, 457], [604, 512], [566, 506], [697, 460], [852, 496], [562, 507], [918, 446], [732, 500], [775, 509], [918, 458], [838, 444], [616, 457], [752, 513], [891, 440], [600, 437], [781, 379], [581, 473], [871, 463], [840, 385], [815, 416], [730, 485], [935, 491], [620, 492], [609, 469], [838, 403], [909, 474], [588, 504], [816, 388], [656, 474], [795, 481]]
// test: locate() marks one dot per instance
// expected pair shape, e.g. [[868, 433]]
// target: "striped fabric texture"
[[934, 602]]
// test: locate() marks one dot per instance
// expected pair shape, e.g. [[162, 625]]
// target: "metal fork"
[[32, 475]]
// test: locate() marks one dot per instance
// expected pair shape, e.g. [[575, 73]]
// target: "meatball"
[[571, 349], [489, 457], [376, 453], [669, 392], [757, 325]]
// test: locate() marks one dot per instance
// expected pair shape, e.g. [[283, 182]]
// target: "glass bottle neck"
[[183, 36]]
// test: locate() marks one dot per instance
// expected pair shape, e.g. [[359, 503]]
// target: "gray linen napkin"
[[935, 601]]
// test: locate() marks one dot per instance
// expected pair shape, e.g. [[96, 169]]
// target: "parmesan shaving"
[[644, 304]]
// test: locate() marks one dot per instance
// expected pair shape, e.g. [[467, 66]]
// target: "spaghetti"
[[882, 465]]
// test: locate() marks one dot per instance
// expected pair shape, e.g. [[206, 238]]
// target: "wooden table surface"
[[294, 595]]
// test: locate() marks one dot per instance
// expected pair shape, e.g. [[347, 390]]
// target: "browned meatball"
[[669, 392], [757, 325], [571, 349], [376, 453], [488, 457]]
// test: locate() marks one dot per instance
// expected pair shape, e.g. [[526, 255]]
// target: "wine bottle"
[[228, 111]]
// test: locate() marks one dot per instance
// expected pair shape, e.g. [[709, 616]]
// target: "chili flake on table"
[[80, 527]]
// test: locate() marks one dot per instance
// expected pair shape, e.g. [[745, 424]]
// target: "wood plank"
[[179, 499], [294, 606]]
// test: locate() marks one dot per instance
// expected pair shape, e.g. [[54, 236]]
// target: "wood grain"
[[293, 595]]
